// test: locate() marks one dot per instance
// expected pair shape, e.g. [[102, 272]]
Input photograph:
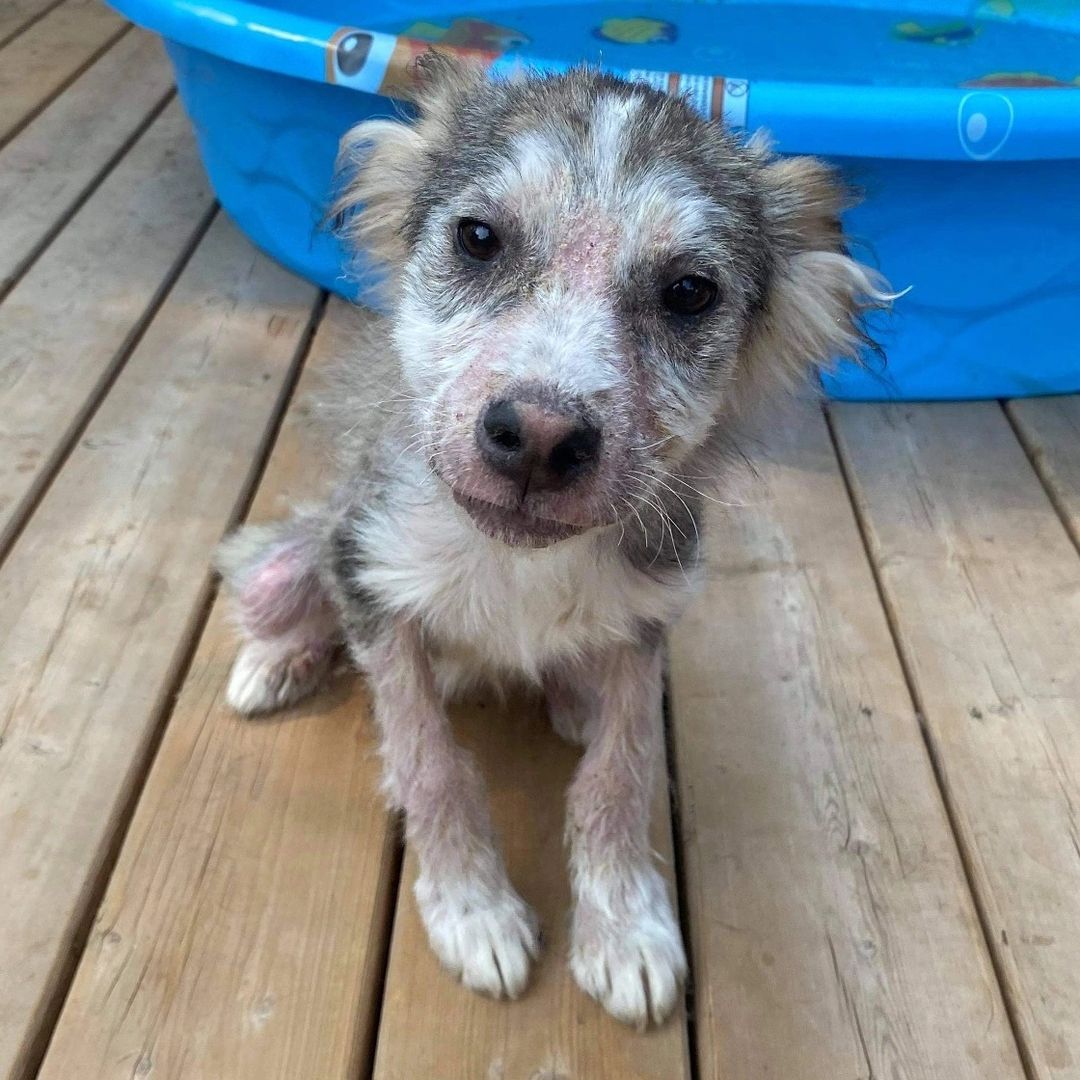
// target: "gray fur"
[[439, 570]]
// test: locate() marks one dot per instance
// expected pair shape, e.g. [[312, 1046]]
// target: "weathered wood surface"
[[1049, 427], [70, 321], [39, 61], [59, 155], [834, 933], [16, 15], [984, 586], [243, 932], [103, 590]]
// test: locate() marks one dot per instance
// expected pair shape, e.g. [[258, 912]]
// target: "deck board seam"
[[1052, 493], [64, 84], [80, 422], [892, 620], [48, 9], [190, 637], [365, 1070], [682, 906], [83, 197]]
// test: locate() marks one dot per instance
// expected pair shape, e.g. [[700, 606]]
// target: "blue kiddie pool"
[[958, 119]]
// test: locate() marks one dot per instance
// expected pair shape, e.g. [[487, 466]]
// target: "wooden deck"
[[874, 711]]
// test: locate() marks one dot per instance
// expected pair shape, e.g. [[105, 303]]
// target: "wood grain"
[[1049, 428], [834, 935], [984, 586], [432, 1027], [50, 164], [243, 931], [69, 322], [100, 596], [37, 63], [16, 14]]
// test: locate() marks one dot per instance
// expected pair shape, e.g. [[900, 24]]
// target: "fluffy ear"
[[382, 162], [817, 294]]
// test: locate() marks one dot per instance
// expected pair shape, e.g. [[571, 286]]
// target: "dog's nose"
[[539, 448]]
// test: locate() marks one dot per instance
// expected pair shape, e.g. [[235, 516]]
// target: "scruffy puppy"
[[587, 285]]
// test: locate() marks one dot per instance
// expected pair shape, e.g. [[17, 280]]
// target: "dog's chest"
[[511, 609]]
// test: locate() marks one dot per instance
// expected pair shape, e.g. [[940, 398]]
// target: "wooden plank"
[[1049, 428], [49, 165], [100, 596], [243, 932], [984, 587], [432, 1027], [834, 935], [70, 320], [15, 15], [40, 61]]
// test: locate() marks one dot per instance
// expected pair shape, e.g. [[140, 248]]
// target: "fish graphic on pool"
[[636, 31], [952, 33], [469, 34]]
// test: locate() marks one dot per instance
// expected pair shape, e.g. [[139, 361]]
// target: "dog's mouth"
[[513, 525]]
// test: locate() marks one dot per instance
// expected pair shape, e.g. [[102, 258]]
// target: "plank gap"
[[947, 798], [678, 867], [37, 109], [9, 535], [15, 28], [365, 1070], [26, 261], [1038, 465]]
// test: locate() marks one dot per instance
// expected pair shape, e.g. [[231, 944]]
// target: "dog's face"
[[586, 277]]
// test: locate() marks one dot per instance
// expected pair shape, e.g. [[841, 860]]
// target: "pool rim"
[[834, 119]]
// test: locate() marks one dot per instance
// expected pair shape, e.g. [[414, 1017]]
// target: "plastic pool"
[[959, 119]]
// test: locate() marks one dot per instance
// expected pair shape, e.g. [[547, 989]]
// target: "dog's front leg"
[[626, 949], [477, 924]]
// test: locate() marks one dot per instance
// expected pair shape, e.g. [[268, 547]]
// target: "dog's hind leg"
[[289, 626]]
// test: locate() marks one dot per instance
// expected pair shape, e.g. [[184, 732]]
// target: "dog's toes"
[[634, 968], [268, 676], [488, 943]]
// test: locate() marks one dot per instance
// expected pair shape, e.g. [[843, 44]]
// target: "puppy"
[[587, 287]]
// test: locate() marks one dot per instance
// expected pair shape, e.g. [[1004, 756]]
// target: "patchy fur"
[[525, 443]]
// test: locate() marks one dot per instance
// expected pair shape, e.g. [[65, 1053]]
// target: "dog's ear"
[[381, 162], [816, 294]]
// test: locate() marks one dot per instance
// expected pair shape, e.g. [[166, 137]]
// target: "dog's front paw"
[[487, 938], [270, 675], [633, 963]]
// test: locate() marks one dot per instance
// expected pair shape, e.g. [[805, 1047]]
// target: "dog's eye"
[[690, 295], [477, 239]]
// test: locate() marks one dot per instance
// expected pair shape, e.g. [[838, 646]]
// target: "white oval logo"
[[984, 122]]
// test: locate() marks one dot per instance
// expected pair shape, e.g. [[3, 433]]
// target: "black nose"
[[540, 447]]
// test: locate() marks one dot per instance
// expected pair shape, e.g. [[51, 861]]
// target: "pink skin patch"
[[280, 593], [580, 277], [585, 259]]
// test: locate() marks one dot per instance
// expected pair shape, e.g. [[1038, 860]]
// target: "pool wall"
[[988, 241]]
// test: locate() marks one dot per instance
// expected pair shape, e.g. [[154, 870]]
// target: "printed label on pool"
[[714, 96]]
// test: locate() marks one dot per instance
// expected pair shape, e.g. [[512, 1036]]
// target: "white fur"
[[508, 610], [611, 128], [628, 953], [487, 940], [567, 341], [536, 169], [274, 674]]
